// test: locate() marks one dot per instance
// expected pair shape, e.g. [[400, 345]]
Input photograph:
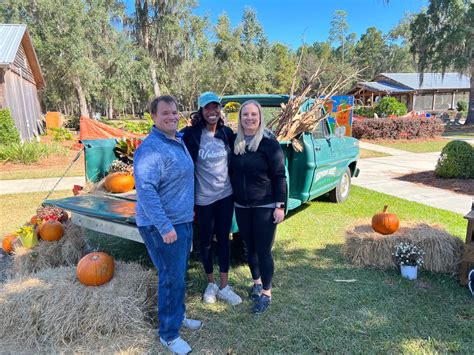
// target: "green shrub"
[[29, 152], [60, 134], [364, 111], [137, 127], [456, 161], [8, 131], [390, 106], [461, 106], [72, 122]]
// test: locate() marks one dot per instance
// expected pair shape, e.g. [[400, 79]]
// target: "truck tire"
[[341, 192]]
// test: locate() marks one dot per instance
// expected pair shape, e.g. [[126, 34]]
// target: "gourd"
[[385, 223]]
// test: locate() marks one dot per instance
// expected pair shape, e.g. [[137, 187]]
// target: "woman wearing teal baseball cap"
[[210, 144]]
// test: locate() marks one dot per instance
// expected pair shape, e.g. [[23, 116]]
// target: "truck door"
[[324, 178]]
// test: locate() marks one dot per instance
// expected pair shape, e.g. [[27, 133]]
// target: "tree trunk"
[[470, 110], [156, 87], [81, 96], [133, 107], [110, 113]]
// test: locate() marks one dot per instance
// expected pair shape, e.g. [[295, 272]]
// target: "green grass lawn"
[[366, 153], [378, 313], [415, 146], [17, 209], [459, 131], [45, 172]]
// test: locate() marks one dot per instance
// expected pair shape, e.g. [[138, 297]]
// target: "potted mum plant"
[[231, 109], [408, 256]]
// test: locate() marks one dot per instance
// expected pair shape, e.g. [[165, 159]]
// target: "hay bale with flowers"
[[46, 254], [365, 247], [52, 309]]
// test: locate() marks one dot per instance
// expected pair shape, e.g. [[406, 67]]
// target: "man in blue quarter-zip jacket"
[[164, 180]]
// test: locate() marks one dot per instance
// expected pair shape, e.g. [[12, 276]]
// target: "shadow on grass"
[[428, 178], [324, 304]]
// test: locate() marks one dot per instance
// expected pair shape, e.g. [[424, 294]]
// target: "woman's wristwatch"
[[280, 205]]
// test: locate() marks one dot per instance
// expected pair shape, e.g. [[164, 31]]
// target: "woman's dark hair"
[[197, 118], [166, 98]]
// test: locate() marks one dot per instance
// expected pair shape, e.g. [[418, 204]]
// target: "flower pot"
[[232, 116], [409, 272]]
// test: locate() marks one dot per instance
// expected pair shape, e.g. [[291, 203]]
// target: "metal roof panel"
[[431, 81], [10, 39]]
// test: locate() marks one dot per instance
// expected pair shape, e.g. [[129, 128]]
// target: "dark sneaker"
[[262, 304], [255, 292]]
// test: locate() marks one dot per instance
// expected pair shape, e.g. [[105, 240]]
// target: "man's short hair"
[[166, 98]]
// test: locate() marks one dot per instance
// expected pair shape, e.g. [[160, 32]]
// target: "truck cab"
[[326, 164]]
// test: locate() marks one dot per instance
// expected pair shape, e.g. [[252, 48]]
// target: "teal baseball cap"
[[207, 98]]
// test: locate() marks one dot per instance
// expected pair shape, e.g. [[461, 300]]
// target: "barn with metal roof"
[[436, 92], [20, 79]]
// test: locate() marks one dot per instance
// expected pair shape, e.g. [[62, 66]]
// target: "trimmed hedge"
[[8, 131], [456, 161], [397, 128]]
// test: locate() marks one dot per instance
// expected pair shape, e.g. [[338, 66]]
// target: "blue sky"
[[292, 21]]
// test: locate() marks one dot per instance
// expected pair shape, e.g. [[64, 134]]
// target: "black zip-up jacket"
[[258, 178], [192, 139]]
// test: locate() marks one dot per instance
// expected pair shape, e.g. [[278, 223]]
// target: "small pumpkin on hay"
[[385, 223], [8, 242], [95, 269], [51, 230]]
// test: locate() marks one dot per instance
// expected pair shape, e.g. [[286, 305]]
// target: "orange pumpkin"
[[95, 269], [7, 243], [51, 230], [119, 182], [384, 222]]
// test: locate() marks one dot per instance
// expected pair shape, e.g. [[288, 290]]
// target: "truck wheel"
[[341, 192]]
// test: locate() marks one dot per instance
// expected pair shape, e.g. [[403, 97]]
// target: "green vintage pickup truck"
[[327, 164]]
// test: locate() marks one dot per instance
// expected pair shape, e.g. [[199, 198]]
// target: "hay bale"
[[365, 247], [64, 252], [52, 309]]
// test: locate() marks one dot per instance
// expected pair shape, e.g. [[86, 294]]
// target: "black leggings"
[[258, 232], [215, 218]]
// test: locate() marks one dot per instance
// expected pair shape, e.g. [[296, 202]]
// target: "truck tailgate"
[[104, 206]]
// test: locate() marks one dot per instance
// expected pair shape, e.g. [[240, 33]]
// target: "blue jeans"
[[171, 260]]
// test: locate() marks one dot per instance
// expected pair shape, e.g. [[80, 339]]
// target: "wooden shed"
[[20, 79]]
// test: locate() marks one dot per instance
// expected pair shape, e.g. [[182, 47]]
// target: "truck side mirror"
[[340, 131]]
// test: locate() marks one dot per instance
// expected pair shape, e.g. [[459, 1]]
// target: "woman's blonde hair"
[[239, 147]]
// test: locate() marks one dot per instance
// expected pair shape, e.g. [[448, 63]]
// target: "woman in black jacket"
[[259, 184], [210, 145]]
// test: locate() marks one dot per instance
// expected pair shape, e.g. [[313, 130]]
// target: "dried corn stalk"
[[291, 122]]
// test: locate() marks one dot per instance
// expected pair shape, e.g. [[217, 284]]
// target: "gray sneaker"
[[229, 296], [255, 292], [210, 293], [193, 324], [176, 346]]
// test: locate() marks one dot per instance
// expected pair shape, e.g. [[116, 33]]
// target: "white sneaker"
[[228, 295], [210, 293], [177, 346], [193, 324]]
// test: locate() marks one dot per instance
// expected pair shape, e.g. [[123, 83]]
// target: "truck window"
[[321, 130]]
